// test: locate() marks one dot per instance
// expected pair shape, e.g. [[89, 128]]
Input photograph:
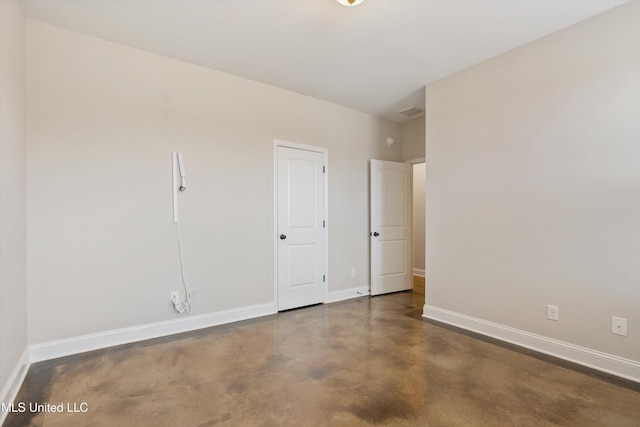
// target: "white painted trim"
[[416, 161], [14, 382], [282, 143], [419, 272], [611, 364], [325, 154], [274, 230], [66, 347], [345, 294]]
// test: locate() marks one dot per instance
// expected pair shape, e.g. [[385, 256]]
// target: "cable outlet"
[[553, 312], [174, 297], [619, 326]]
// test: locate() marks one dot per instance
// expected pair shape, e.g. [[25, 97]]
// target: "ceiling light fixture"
[[349, 2]]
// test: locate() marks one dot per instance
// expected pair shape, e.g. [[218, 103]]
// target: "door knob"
[[283, 236], [376, 234]]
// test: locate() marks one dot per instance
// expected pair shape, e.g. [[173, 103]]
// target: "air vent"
[[411, 111]]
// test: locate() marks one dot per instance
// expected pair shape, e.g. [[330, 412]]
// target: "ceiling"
[[375, 58]]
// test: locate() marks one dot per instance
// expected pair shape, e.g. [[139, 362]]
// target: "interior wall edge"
[[80, 344], [605, 362], [14, 382]]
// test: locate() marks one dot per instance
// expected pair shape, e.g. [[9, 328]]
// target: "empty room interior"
[[319, 212]]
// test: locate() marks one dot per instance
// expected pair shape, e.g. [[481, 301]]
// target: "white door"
[[300, 228], [390, 234]]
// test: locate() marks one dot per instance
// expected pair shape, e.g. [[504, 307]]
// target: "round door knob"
[[376, 234], [283, 236]]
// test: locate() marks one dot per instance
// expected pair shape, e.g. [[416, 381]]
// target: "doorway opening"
[[418, 225]]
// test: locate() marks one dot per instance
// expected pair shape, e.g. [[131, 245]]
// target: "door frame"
[[325, 158], [413, 162]]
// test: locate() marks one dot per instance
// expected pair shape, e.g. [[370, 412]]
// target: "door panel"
[[301, 193], [300, 233], [302, 260], [390, 211], [391, 257], [391, 201]]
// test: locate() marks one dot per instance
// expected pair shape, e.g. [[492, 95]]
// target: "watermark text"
[[37, 407]]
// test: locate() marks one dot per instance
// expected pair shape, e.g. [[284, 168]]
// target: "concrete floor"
[[364, 362]]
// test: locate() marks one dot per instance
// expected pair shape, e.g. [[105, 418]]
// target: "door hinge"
[[324, 224], [323, 169], [324, 278]]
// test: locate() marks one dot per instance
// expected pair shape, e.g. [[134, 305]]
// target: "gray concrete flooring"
[[364, 362]]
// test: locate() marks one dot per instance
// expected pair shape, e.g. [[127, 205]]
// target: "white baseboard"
[[66, 347], [419, 272], [345, 294], [14, 382], [618, 366]]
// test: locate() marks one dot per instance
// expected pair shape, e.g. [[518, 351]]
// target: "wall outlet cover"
[[619, 326]]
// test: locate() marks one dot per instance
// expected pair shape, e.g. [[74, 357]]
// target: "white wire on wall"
[[182, 306], [178, 174]]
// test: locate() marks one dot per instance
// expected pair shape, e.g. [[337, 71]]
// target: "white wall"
[[534, 185], [13, 305], [102, 121], [412, 134]]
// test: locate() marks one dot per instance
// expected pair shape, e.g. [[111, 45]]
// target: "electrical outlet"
[[174, 296], [353, 272], [619, 326], [553, 312]]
